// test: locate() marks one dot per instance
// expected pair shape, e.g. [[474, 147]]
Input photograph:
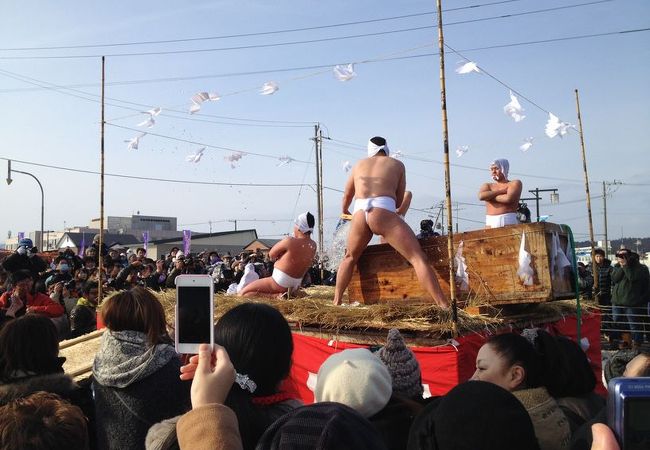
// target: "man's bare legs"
[[266, 286], [398, 234], [358, 240]]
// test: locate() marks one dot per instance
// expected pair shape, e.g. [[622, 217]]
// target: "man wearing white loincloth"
[[501, 197], [378, 183], [293, 256]]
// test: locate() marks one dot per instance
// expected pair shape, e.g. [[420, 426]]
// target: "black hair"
[[29, 344], [599, 251], [516, 349], [555, 366], [19, 276], [378, 140], [310, 220], [89, 286], [580, 379], [258, 340]]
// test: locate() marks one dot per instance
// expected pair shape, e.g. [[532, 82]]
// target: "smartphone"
[[628, 411], [194, 312]]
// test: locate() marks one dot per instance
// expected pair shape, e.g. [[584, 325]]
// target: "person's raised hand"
[[16, 304], [603, 438], [212, 375]]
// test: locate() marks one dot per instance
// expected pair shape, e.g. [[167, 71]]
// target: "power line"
[[299, 42], [165, 180], [261, 33]]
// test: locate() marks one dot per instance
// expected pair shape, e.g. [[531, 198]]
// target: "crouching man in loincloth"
[[293, 256], [501, 197], [378, 184]]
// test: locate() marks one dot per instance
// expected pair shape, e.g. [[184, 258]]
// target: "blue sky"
[[398, 99]]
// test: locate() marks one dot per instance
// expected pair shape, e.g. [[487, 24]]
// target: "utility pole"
[[606, 185]]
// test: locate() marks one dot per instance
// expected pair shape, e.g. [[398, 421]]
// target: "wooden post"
[[605, 215], [445, 141], [594, 268], [100, 266], [318, 142]]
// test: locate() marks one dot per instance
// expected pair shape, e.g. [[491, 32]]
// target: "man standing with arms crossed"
[[501, 197], [378, 183]]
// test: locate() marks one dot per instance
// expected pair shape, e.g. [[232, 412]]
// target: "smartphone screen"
[[194, 319]]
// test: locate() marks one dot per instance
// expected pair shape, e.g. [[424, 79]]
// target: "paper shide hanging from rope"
[[269, 88], [200, 97], [347, 166], [196, 156], [132, 144], [555, 127], [528, 143], [284, 160], [468, 67], [344, 73], [233, 159], [514, 109], [461, 150], [150, 121], [397, 155]]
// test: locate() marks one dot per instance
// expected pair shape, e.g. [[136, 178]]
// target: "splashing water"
[[334, 255]]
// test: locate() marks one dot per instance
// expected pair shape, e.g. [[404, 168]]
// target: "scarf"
[[125, 357]]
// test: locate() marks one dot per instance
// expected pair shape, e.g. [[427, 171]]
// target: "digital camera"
[[628, 412]]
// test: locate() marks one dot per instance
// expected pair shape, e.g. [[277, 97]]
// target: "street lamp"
[[9, 180], [555, 198]]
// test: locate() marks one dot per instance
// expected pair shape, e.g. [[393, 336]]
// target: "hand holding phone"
[[194, 312]]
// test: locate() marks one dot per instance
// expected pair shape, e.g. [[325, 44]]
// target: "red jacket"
[[38, 303]]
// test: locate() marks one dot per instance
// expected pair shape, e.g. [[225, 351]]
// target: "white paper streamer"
[[462, 278], [284, 160], [347, 166], [196, 156], [555, 127], [269, 88], [528, 143], [468, 67], [514, 109], [233, 158], [461, 150], [344, 73], [200, 97], [134, 142], [524, 271]]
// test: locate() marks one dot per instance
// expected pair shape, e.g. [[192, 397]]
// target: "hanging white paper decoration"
[[461, 150], [233, 158], [347, 166], [270, 87], [514, 109], [200, 97], [134, 142], [468, 67], [344, 73], [555, 127], [528, 143], [196, 156]]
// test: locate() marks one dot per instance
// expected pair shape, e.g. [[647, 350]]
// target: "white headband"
[[373, 149], [302, 224]]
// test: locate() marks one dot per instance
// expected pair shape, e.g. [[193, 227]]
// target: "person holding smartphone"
[[629, 295], [293, 257]]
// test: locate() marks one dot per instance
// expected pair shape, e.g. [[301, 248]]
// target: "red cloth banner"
[[443, 367]]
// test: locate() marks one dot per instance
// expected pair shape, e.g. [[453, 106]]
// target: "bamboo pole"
[[445, 141], [100, 266], [321, 213], [594, 268]]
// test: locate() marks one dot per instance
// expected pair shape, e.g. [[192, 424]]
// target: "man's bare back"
[[378, 184], [293, 256]]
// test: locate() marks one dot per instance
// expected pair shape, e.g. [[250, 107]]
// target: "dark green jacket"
[[631, 284]]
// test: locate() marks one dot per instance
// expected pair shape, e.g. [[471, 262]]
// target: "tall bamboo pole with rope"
[[594, 268], [100, 266], [445, 140]]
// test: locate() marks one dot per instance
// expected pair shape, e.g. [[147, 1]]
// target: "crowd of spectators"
[[530, 390]]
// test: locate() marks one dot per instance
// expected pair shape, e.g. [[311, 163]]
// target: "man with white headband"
[[378, 184], [293, 256], [501, 197]]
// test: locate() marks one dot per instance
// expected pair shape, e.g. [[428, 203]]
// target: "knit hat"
[[497, 421], [25, 242], [403, 367], [356, 378], [321, 426]]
